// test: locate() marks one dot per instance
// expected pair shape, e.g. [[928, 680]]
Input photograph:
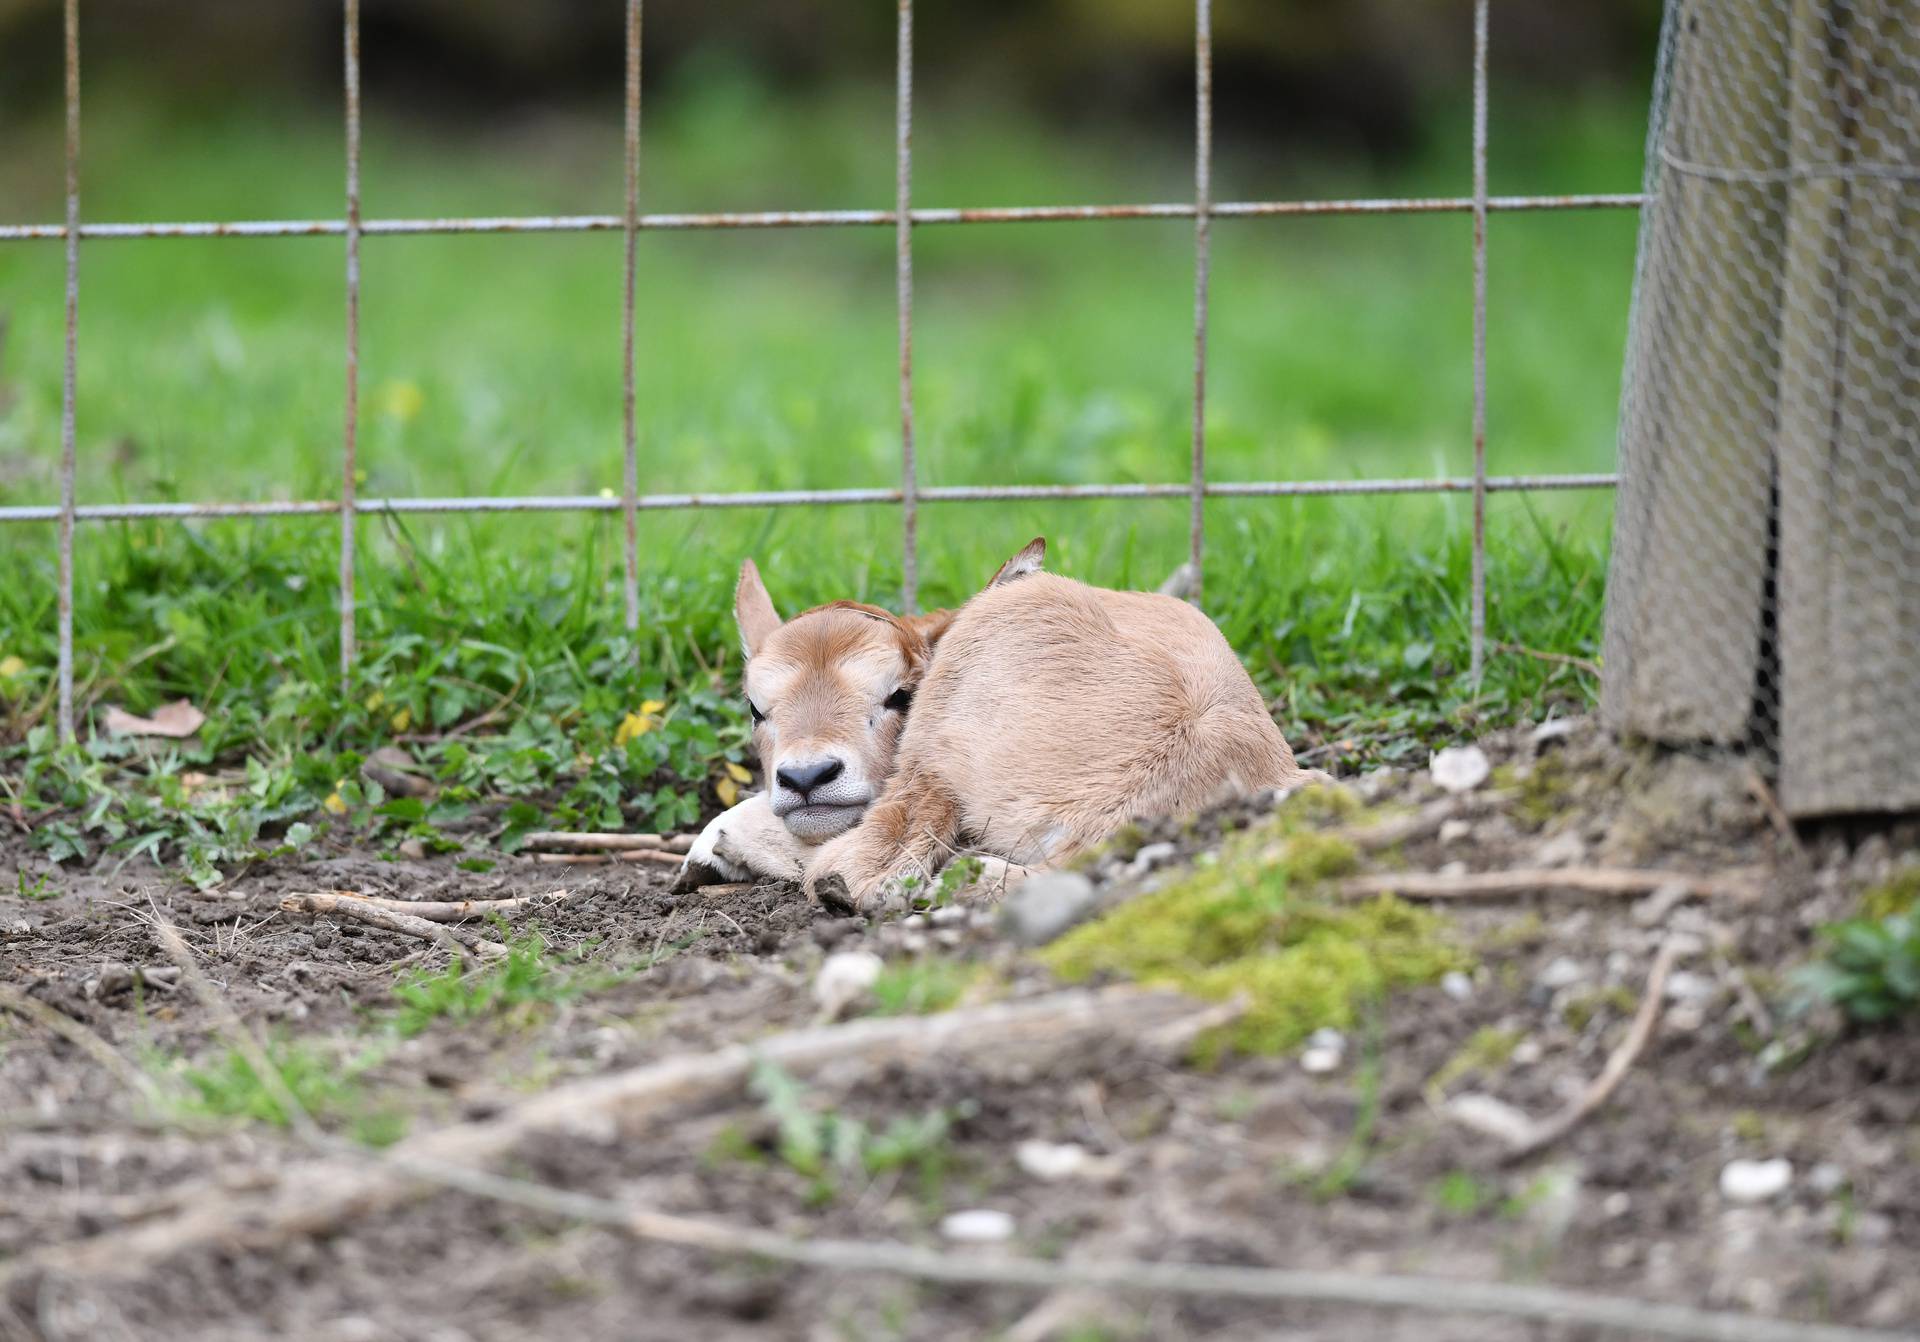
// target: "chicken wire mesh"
[[1765, 587]]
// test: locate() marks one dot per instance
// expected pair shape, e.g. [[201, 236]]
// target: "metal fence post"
[[903, 297], [1479, 597], [67, 378], [1202, 269], [629, 500], [349, 455]]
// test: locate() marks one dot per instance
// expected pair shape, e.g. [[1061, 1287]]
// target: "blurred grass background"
[[1340, 348]]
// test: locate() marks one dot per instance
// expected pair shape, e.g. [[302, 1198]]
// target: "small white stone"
[[1459, 768], [981, 1225], [1051, 1160], [1562, 850], [1327, 1037], [1453, 831], [1319, 1061], [1826, 1178], [1556, 730], [1686, 1017], [1456, 985], [1562, 972], [913, 922], [843, 976], [1150, 856], [1617, 1205], [1684, 985], [1751, 1181], [1527, 1052], [1490, 1117], [946, 914]]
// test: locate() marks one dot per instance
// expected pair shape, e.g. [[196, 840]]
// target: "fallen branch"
[[442, 910], [1057, 1030], [1637, 1318], [1525, 881], [71, 1030], [1619, 1062], [406, 924], [655, 855], [569, 841]]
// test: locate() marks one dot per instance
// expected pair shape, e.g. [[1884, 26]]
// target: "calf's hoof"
[[831, 893]]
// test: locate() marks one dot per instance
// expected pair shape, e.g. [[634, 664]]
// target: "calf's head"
[[829, 692]]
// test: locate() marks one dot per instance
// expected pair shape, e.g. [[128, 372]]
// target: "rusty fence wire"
[[903, 218]]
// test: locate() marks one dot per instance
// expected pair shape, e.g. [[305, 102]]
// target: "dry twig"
[[1623, 881], [659, 856], [442, 910], [1037, 1033], [1618, 1063], [1586, 664], [570, 841], [364, 910]]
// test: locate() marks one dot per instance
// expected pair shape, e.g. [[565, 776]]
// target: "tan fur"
[[1046, 714], [823, 681], [1054, 713]]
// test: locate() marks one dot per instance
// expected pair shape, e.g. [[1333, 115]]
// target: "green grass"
[[1043, 353], [228, 1087], [525, 981], [921, 987]]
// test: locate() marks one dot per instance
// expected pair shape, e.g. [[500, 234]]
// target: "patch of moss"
[[1323, 802], [1251, 925], [1895, 896], [1543, 791]]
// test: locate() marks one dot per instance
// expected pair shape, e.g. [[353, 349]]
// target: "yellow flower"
[[638, 724], [374, 701], [400, 399], [727, 790], [335, 804], [739, 774], [403, 719], [11, 667]]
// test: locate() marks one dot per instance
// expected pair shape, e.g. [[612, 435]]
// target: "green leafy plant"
[[526, 979], [828, 1147], [1869, 968], [921, 987], [331, 1091]]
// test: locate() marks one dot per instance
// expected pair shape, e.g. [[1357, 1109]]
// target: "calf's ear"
[[1032, 555], [753, 609], [929, 625]]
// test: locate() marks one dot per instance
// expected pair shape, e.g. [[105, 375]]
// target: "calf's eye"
[[900, 699], [758, 716]]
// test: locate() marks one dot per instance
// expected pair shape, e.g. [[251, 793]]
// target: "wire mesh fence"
[[904, 218], [1765, 588]]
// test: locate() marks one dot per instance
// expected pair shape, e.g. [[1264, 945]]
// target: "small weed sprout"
[[826, 1148], [228, 1087], [921, 987], [523, 982]]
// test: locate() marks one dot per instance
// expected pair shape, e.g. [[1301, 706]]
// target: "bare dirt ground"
[[1352, 1158]]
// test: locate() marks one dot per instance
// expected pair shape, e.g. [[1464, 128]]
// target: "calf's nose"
[[805, 777]]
